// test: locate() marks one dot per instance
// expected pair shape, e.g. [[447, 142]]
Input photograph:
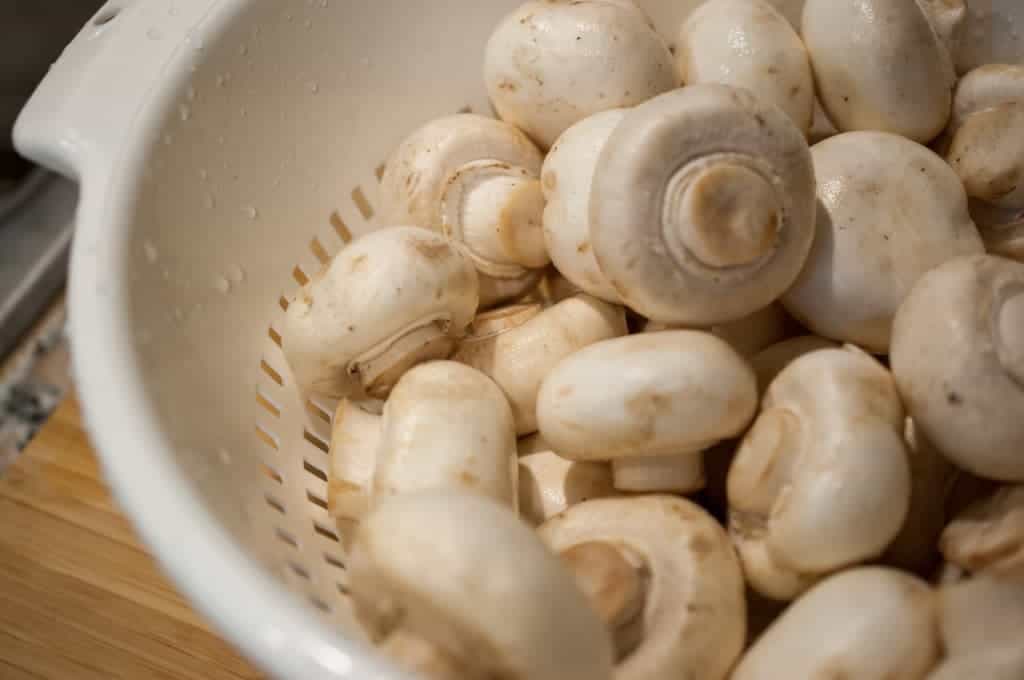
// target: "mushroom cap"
[[889, 211], [958, 357], [518, 358], [868, 622], [762, 53], [654, 394], [371, 294], [991, 35], [770, 361], [465, 574], [987, 87], [355, 437], [982, 617], [987, 134], [703, 205], [447, 426], [989, 536], [420, 169], [821, 480], [550, 484], [694, 616], [551, 64], [567, 178], [880, 65]]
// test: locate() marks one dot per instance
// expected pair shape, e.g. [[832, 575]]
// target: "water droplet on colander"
[[289, 17], [204, 174], [151, 252], [222, 285], [184, 113], [236, 274], [314, 87], [154, 33], [166, 273], [252, 212]]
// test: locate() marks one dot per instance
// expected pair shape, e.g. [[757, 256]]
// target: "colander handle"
[[76, 120]]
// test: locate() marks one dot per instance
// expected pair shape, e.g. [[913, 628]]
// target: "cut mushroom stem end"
[[615, 579], [723, 212], [381, 369], [683, 473], [496, 212]]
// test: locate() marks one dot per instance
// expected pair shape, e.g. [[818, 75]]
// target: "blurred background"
[[36, 215]]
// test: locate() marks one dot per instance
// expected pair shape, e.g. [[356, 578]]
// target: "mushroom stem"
[[682, 473], [380, 369], [1010, 334], [615, 579], [722, 211], [496, 211], [419, 656]]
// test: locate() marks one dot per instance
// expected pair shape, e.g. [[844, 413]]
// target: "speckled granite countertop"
[[33, 380]]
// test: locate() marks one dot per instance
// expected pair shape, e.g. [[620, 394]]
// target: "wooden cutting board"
[[79, 596]]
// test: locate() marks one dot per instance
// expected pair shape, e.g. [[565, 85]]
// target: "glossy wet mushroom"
[[650, 404], [551, 64], [958, 358], [750, 44], [884, 65], [821, 481], [386, 302], [666, 582], [477, 180], [475, 589], [550, 484], [702, 205], [889, 211]]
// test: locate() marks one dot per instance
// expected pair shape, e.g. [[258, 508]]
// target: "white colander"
[[226, 149]]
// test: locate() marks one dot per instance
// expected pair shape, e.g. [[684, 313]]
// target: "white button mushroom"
[[355, 437], [980, 623], [389, 300], [889, 211], [958, 357], [518, 346], [869, 623], [475, 179], [551, 64], [986, 146], [567, 178], [748, 43], [650, 403], [467, 577], [748, 335], [702, 205], [550, 484], [822, 480], [883, 65], [665, 580], [989, 536], [770, 361], [447, 426]]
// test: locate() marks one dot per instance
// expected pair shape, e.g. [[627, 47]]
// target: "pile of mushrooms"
[[790, 244]]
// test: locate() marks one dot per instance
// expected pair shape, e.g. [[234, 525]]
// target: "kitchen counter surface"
[[79, 596]]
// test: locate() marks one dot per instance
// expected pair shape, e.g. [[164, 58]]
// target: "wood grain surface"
[[79, 597]]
